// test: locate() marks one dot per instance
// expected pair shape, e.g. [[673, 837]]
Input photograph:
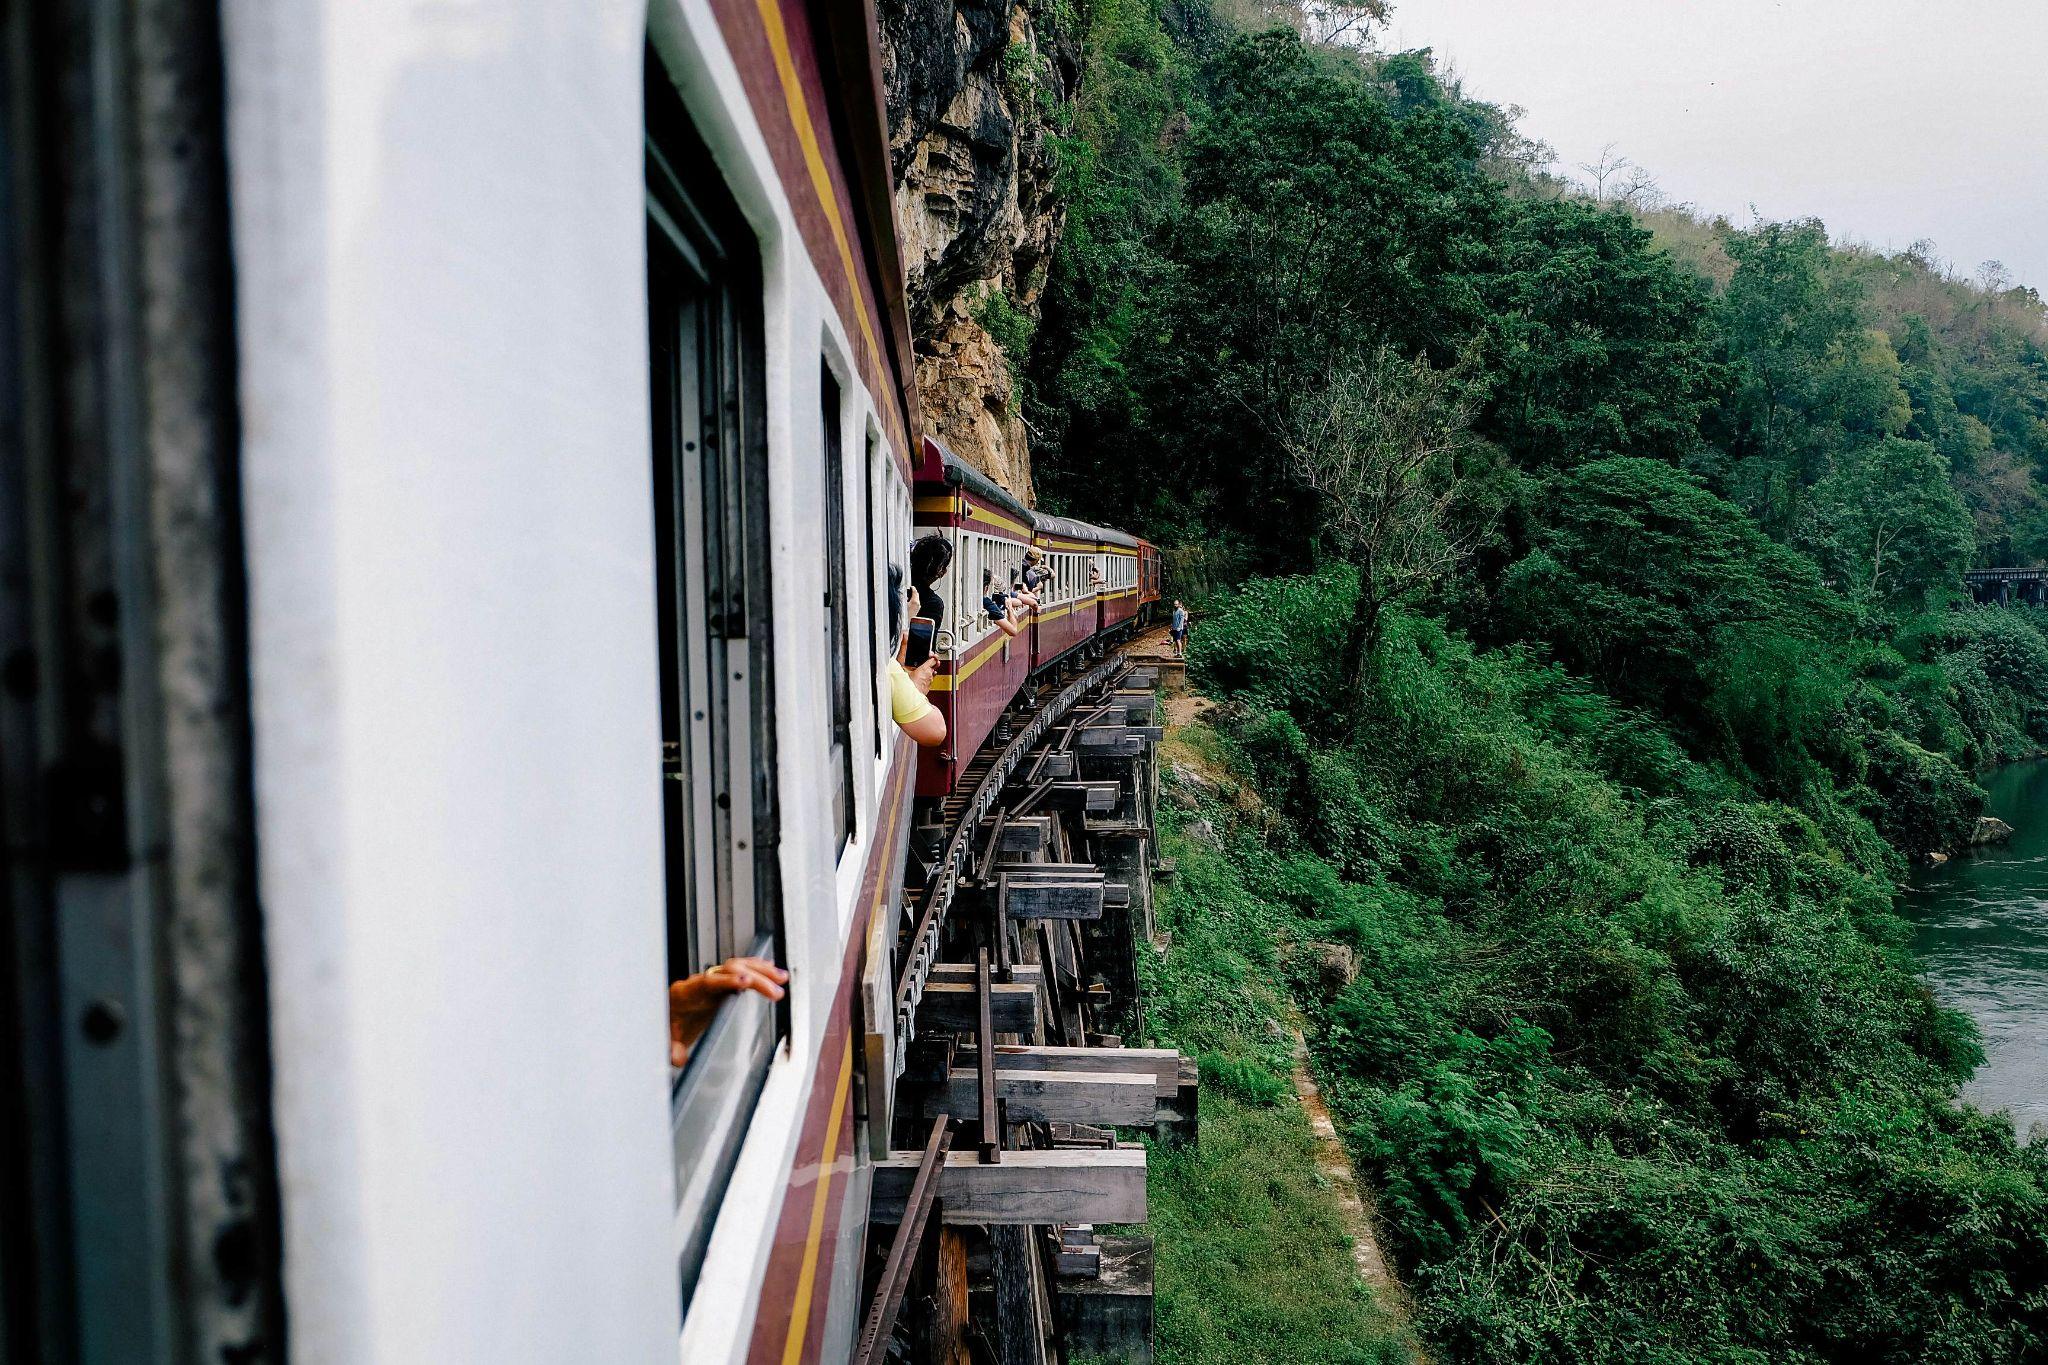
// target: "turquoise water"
[[1981, 929]]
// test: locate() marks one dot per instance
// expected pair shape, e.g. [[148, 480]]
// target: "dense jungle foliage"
[[1668, 673]]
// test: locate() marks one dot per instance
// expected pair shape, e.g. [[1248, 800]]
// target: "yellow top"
[[906, 703]]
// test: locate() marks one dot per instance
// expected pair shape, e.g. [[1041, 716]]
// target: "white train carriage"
[[384, 728]]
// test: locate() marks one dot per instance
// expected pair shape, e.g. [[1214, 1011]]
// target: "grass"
[[1252, 1265]]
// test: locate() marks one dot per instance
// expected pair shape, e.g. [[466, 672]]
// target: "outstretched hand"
[[695, 999]]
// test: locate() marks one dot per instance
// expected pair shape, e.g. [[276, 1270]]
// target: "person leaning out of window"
[[914, 714]]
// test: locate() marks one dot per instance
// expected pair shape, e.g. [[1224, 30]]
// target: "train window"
[[877, 576], [710, 458], [838, 634]]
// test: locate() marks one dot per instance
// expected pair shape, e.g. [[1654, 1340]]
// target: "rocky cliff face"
[[972, 85]]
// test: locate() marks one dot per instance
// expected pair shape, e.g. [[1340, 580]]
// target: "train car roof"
[[1048, 525], [960, 474], [1081, 530]]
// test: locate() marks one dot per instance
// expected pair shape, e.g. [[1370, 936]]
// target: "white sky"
[[1890, 120]]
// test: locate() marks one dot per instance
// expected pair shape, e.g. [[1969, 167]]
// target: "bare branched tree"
[[1385, 444], [1610, 166], [1326, 23], [1639, 191]]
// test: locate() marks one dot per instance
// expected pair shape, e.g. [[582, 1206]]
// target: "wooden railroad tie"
[[1112, 1098], [1058, 895], [952, 1006], [1091, 1185]]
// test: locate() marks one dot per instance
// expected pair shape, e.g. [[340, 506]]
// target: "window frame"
[[838, 618], [697, 240]]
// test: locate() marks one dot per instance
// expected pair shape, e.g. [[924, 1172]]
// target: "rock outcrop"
[[972, 85], [1990, 830]]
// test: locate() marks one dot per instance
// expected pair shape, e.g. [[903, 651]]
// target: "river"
[[1981, 930]]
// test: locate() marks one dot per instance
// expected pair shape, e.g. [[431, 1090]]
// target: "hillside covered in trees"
[[1583, 581]]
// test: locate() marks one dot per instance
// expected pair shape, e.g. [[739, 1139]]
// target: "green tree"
[[1600, 344], [1672, 599], [1787, 320], [1384, 445], [1887, 528]]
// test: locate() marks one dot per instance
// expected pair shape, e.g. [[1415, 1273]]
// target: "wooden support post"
[[1081, 1185], [1016, 1270], [946, 1341]]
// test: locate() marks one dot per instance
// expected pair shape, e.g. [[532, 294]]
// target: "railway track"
[[1011, 1093]]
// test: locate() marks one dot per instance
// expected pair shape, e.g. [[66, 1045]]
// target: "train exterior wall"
[[1116, 606], [983, 669], [440, 261]]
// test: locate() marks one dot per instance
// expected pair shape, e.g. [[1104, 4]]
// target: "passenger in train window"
[[930, 557], [1035, 571], [1021, 593], [1005, 612], [693, 1002], [1094, 572], [916, 716]]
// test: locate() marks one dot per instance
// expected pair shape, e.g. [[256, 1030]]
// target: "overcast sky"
[[1890, 120]]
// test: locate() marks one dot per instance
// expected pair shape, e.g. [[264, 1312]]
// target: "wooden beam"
[[1030, 896], [951, 1006], [1139, 706], [1021, 833], [1104, 1097], [1072, 1186], [1079, 1261], [1101, 736], [1161, 1064], [1086, 796], [1055, 764], [962, 973]]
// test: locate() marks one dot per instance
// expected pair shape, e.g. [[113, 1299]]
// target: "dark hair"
[[988, 578], [895, 605], [930, 556]]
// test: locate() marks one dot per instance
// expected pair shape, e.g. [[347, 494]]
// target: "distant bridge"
[[2006, 586]]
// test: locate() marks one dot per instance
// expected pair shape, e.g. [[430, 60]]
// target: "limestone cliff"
[[972, 85]]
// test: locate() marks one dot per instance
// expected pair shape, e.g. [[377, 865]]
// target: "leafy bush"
[[1640, 1068]]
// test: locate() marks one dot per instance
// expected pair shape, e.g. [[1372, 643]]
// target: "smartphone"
[[922, 629]]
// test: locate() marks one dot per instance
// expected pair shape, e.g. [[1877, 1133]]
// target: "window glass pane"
[[838, 634]]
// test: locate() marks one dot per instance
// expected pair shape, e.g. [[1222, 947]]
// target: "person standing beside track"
[[1178, 628]]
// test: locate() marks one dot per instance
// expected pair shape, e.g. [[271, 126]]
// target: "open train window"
[[718, 766], [838, 633], [877, 487]]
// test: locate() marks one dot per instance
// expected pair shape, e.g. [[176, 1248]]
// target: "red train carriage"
[[1148, 578], [1117, 595], [980, 667], [1065, 619]]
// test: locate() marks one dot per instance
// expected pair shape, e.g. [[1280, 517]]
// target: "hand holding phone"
[[919, 649]]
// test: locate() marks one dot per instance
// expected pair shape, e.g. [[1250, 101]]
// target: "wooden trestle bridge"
[[1006, 1099], [2007, 586]]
